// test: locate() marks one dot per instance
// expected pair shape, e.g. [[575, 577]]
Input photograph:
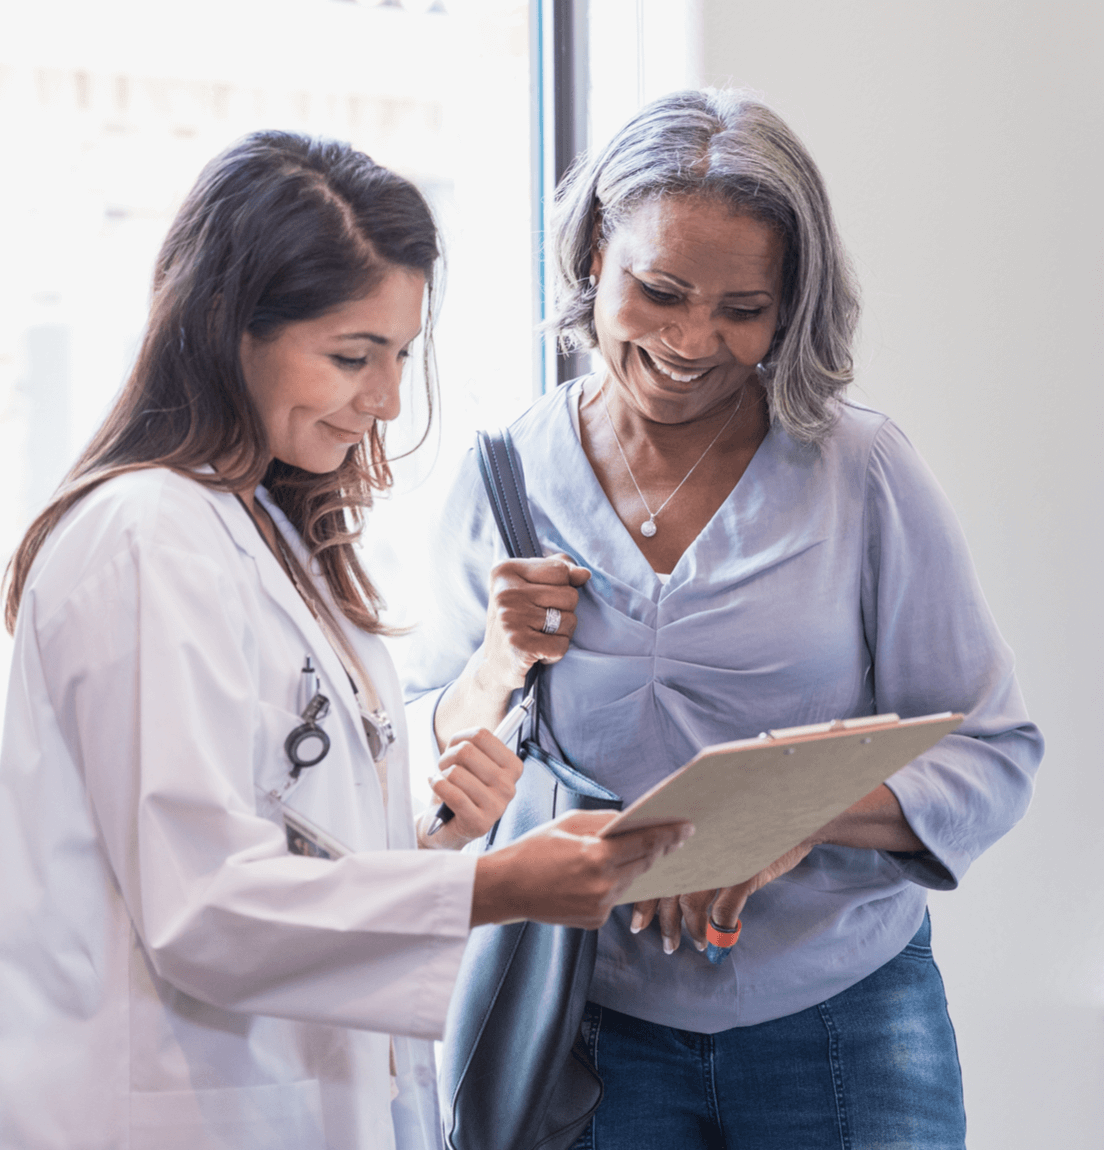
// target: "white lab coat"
[[170, 977]]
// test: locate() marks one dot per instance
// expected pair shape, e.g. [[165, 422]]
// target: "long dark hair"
[[278, 228]]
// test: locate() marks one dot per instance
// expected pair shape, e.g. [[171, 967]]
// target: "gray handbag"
[[514, 1072]]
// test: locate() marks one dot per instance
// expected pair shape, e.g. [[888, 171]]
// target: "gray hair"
[[729, 147]]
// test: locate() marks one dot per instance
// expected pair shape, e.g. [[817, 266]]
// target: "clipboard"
[[752, 800]]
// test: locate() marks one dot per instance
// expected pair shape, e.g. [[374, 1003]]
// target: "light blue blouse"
[[833, 582]]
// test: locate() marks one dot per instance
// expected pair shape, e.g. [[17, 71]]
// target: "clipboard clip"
[[833, 726]]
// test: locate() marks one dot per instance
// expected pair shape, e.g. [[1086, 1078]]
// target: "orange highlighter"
[[719, 940]]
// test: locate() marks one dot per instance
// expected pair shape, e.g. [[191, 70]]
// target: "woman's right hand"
[[562, 872], [521, 592]]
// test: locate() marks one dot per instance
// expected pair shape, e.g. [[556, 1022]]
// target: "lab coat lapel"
[[283, 593]]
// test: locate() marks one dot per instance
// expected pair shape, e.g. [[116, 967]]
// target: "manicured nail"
[[699, 945], [670, 945], [637, 924]]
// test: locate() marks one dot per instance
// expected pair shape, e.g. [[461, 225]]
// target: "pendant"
[[648, 528]]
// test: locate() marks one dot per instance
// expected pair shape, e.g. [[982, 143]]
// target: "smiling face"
[[320, 384], [687, 305]]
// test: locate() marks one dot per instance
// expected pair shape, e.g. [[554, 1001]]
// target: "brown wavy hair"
[[280, 227]]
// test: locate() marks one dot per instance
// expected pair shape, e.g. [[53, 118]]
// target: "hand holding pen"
[[505, 732]]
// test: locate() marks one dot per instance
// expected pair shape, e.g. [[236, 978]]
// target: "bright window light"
[[109, 110]]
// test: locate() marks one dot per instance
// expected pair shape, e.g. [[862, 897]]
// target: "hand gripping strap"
[[500, 469], [504, 480]]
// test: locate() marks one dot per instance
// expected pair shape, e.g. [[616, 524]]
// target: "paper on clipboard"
[[753, 800]]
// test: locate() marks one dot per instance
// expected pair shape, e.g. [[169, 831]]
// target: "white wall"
[[961, 142]]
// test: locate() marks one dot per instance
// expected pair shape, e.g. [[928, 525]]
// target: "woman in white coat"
[[200, 702]]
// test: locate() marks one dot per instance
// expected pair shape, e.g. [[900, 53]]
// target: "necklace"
[[648, 527]]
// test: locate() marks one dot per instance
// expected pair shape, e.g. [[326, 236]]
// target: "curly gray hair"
[[729, 147]]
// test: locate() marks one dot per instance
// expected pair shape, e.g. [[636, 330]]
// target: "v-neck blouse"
[[832, 582]]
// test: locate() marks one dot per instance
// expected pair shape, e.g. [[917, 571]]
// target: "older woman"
[[732, 546]]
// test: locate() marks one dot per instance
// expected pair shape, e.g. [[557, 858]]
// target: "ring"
[[551, 621]]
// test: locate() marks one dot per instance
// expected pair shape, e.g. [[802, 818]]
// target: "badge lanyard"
[[377, 723], [308, 744]]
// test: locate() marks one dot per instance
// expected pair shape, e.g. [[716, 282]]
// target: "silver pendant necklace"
[[648, 527]]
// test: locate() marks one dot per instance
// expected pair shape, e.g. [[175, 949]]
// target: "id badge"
[[305, 837]]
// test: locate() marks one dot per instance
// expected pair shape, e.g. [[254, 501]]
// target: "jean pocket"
[[284, 1116]]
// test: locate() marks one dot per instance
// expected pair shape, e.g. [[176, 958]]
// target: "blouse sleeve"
[[150, 664], [935, 647]]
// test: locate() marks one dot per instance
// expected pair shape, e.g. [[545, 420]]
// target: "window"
[[110, 109]]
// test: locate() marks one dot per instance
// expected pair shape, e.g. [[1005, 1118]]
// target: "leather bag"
[[514, 1071]]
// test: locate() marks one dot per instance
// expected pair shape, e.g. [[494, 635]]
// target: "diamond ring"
[[551, 621]]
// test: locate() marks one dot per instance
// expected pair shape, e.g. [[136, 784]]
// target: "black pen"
[[504, 732]]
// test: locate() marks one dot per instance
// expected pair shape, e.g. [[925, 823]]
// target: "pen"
[[504, 732], [308, 684]]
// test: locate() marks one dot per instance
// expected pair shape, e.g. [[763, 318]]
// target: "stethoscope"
[[308, 744]]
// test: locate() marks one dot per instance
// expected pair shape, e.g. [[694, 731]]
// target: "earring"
[[592, 282]]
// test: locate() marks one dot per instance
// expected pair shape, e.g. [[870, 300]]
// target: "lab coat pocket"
[[284, 1116], [271, 765]]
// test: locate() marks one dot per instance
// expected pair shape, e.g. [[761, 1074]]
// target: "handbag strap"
[[500, 469], [504, 480]]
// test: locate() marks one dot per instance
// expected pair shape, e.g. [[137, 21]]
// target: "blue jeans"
[[873, 1068]]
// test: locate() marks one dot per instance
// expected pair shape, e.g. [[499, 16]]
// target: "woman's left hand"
[[724, 906], [476, 778], [875, 822]]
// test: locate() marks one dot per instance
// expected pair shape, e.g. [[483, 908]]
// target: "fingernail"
[[669, 945], [699, 945], [637, 924]]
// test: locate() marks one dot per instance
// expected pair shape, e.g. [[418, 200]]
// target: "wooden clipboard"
[[753, 800]]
